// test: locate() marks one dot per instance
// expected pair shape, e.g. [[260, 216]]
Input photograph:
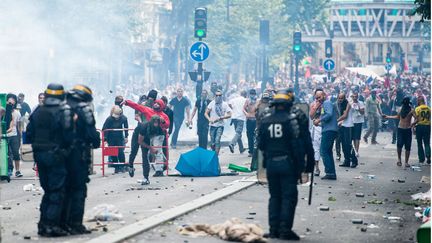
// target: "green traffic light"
[[297, 48], [200, 33], [388, 60]]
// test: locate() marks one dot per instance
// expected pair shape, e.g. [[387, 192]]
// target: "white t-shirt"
[[357, 117], [214, 115], [348, 122], [16, 116], [237, 108]]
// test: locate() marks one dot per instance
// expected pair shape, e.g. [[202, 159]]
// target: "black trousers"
[[203, 131], [282, 183], [52, 176], [346, 141], [76, 186], [134, 146], [145, 162], [250, 133]]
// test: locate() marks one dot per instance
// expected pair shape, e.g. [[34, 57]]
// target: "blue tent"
[[198, 162]]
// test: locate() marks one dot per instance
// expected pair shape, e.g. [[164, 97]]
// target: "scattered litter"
[[358, 177], [357, 221], [418, 215], [371, 177], [373, 226], [422, 196], [359, 194], [230, 230], [104, 212], [425, 179], [416, 168], [7, 208], [324, 208], [401, 180], [332, 199], [426, 215], [31, 187], [27, 237], [15, 233], [375, 201], [394, 219], [363, 229], [418, 208]]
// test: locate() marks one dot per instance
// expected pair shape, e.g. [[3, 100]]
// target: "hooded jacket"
[[149, 112]]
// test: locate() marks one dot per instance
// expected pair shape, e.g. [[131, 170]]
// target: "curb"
[[153, 221]]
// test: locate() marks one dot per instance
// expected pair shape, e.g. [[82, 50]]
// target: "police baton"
[[310, 189]]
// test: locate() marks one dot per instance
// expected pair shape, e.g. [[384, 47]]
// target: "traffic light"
[[328, 48], [200, 23], [388, 57], [297, 43]]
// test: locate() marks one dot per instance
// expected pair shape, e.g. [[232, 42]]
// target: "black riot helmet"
[[284, 97], [81, 93], [54, 93]]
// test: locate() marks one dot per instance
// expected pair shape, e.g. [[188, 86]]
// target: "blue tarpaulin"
[[198, 162]]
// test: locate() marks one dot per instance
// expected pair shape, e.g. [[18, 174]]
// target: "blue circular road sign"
[[329, 65], [199, 51]]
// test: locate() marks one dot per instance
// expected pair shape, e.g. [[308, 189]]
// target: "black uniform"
[[285, 140], [48, 131], [85, 137]]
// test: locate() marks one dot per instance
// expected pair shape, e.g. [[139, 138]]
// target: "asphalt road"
[[19, 209], [336, 224]]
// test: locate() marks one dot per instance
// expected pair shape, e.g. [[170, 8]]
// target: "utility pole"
[[264, 41]]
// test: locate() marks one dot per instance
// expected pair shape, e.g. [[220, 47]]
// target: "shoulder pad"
[[67, 116], [87, 112]]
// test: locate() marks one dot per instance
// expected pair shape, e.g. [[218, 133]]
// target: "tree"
[[423, 9]]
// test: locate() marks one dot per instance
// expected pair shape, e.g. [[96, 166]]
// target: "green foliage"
[[235, 43], [423, 9]]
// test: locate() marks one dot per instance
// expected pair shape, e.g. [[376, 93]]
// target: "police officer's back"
[[48, 132], [285, 140], [85, 137]]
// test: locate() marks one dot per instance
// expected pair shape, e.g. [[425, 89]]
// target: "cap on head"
[[152, 94]]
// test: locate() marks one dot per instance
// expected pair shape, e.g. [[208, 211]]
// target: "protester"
[[238, 119], [134, 142], [179, 105], [25, 108], [404, 136], [373, 115], [202, 123], [13, 134], [358, 120], [328, 122], [117, 138], [250, 108], [423, 130], [217, 111], [316, 130], [346, 124]]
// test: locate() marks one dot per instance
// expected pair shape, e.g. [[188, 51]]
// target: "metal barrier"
[[114, 150]]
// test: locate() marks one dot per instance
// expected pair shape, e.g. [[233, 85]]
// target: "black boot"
[[51, 231], [273, 233], [286, 233], [78, 229]]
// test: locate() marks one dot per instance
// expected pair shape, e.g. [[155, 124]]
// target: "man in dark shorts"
[[358, 120], [404, 133]]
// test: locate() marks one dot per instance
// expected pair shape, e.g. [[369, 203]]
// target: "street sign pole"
[[296, 84], [199, 81]]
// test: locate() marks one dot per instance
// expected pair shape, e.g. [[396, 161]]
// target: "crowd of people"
[[339, 111]]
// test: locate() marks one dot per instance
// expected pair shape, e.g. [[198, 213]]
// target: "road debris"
[[357, 221], [104, 212], [359, 194], [231, 230], [324, 208]]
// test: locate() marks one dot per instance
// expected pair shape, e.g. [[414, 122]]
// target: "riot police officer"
[[48, 132], [285, 141], [85, 137]]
